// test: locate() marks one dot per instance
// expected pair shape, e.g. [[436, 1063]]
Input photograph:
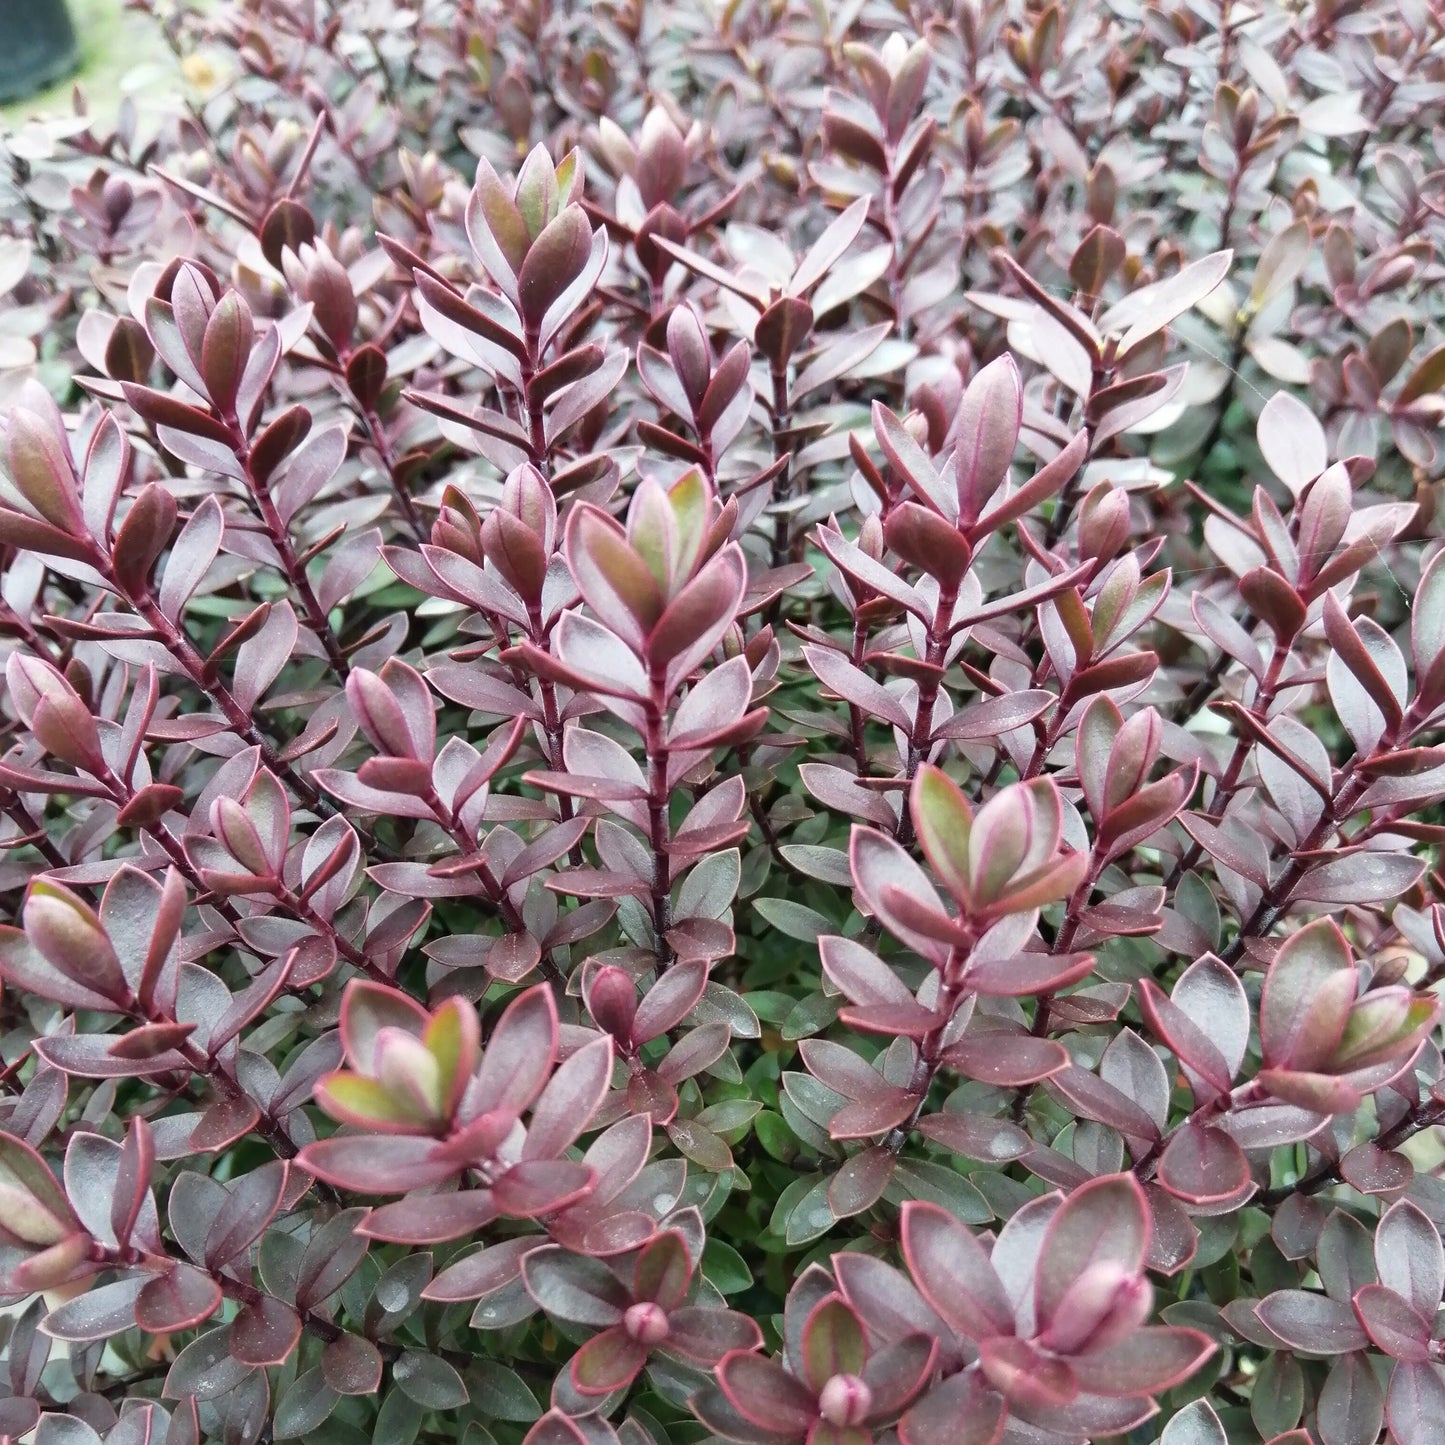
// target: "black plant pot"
[[37, 46]]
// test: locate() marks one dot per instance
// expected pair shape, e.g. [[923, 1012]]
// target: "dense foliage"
[[726, 723]]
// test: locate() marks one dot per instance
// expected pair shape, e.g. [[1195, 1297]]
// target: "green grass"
[[121, 54]]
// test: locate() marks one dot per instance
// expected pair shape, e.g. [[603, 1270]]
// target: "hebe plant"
[[727, 725]]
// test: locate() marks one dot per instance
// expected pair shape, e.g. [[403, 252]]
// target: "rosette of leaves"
[[451, 1111], [653, 1310]]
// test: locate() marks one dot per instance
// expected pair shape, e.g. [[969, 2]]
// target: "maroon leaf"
[[265, 1332], [1310, 1322], [953, 1273], [609, 1361], [1393, 1324], [1151, 1360], [1204, 1165], [1413, 1402], [351, 1365], [98, 1313]]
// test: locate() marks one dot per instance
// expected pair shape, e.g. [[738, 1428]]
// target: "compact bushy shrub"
[[727, 724]]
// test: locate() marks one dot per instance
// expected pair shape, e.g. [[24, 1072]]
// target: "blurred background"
[[116, 50]]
